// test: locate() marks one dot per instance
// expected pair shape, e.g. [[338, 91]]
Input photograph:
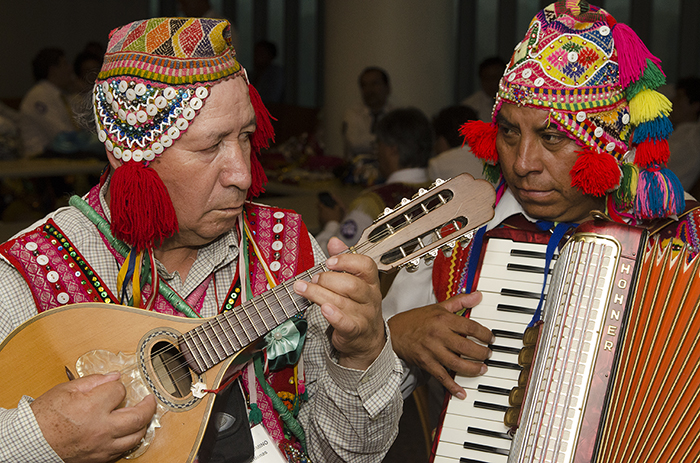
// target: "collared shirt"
[[351, 415], [453, 162], [357, 129], [45, 112]]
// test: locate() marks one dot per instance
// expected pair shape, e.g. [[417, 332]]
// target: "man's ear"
[[114, 162]]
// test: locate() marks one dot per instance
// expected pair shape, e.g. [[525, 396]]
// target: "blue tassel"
[[659, 194], [657, 128]]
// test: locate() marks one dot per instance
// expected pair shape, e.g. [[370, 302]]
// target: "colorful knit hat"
[[597, 80], [156, 77]]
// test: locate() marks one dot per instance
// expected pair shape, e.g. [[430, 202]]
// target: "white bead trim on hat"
[[138, 121]]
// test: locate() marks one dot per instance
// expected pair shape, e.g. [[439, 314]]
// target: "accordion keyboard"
[[510, 281]]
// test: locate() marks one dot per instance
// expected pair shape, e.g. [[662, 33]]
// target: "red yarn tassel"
[[259, 179], [481, 138], [595, 173], [264, 133], [142, 211], [652, 152]]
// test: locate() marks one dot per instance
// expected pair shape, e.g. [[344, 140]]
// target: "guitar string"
[[244, 310]]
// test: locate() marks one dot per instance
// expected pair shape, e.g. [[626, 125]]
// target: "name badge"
[[266, 450]]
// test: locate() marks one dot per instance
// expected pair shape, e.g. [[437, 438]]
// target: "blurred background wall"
[[430, 49]]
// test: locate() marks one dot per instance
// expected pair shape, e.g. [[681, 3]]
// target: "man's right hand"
[[81, 421], [434, 338]]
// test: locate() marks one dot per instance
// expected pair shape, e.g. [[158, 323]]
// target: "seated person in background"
[[453, 156], [267, 76], [48, 124], [86, 67], [404, 145], [490, 72], [360, 122], [175, 195], [550, 174], [684, 141], [10, 139]]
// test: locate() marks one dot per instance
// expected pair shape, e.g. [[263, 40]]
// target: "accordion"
[[615, 373]]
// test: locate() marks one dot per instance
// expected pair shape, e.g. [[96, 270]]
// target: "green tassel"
[[305, 397], [492, 173], [123, 249], [255, 415], [651, 79], [625, 194], [278, 405]]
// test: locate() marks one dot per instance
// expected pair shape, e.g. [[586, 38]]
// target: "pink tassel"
[[632, 54], [595, 173]]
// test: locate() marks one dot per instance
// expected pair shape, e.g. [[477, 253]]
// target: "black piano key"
[[485, 448], [490, 406], [489, 433], [530, 254], [515, 309], [507, 334], [492, 389], [471, 460], [518, 293], [500, 364], [504, 349], [527, 268]]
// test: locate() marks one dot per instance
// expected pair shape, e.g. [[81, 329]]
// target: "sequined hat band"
[[137, 120]]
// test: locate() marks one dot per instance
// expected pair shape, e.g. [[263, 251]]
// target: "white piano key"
[[504, 356], [488, 308], [503, 257], [506, 245], [506, 274], [461, 423], [473, 383], [466, 407], [496, 285], [449, 450], [459, 436], [502, 325], [441, 459]]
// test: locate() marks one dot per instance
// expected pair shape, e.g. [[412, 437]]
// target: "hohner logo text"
[[620, 291]]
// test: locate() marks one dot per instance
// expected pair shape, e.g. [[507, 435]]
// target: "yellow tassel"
[[136, 280], [648, 105], [122, 275]]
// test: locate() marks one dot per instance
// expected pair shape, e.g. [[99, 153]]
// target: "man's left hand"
[[350, 299]]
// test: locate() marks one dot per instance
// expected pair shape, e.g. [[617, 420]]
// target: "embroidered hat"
[[156, 76], [597, 79]]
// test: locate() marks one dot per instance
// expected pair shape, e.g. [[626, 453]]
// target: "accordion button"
[[515, 398], [511, 417], [526, 355], [531, 335]]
